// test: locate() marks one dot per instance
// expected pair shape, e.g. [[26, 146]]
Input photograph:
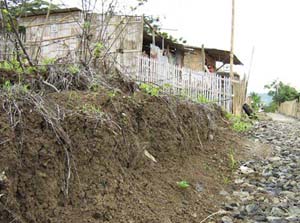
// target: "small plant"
[[183, 184], [73, 69], [12, 90], [31, 70], [151, 89], [202, 99], [86, 108], [167, 86], [7, 85], [238, 123], [48, 61], [226, 180], [98, 48], [94, 87], [11, 65], [112, 93], [45, 63], [241, 126], [232, 161]]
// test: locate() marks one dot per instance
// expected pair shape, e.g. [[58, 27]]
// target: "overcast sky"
[[271, 26]]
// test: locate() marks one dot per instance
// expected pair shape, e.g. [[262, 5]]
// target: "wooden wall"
[[61, 35], [58, 36], [193, 60], [290, 108]]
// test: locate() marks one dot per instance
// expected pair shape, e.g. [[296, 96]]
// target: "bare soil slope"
[[87, 163]]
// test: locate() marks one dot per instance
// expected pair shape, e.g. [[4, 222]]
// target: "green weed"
[[202, 99], [226, 180], [73, 69], [151, 89], [239, 124], [183, 184], [87, 108], [232, 161]]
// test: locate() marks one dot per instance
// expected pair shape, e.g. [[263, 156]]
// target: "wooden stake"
[[153, 37], [232, 39], [203, 57]]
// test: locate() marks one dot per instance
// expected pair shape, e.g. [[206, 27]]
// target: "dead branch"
[[51, 85]]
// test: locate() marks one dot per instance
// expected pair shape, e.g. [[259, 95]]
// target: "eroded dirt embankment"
[[83, 159]]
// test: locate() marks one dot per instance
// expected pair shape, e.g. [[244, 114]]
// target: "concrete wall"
[[290, 108]]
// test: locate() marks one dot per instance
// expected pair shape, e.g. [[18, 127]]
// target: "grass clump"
[[239, 124]]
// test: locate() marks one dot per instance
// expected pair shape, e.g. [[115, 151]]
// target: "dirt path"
[[268, 190], [280, 117]]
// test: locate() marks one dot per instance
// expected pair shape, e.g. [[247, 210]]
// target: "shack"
[[60, 35], [213, 60]]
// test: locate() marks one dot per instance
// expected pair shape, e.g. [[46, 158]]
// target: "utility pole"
[[232, 39]]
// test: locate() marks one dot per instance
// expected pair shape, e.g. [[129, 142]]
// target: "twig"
[[5, 141], [50, 85], [213, 214]]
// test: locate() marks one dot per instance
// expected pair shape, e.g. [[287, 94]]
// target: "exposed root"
[[16, 96]]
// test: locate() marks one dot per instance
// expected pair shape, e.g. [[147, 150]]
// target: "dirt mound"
[[110, 157]]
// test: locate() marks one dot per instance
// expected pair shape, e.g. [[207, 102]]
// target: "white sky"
[[271, 26]]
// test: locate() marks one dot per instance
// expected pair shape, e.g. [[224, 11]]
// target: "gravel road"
[[268, 190]]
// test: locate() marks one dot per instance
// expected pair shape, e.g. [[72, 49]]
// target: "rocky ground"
[[268, 190]]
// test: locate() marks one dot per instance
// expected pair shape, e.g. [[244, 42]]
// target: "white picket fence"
[[197, 86]]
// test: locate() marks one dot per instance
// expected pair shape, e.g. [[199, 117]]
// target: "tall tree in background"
[[281, 92], [256, 101]]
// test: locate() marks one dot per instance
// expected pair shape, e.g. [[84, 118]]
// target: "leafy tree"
[[18, 8], [272, 107], [155, 23], [256, 101], [281, 92]]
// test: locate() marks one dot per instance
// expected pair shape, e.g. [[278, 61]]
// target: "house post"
[[203, 57], [153, 36]]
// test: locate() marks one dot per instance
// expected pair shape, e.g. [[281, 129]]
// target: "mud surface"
[[94, 167]]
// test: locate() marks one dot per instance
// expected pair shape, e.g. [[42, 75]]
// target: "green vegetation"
[[226, 180], [90, 109], [48, 61], [239, 124], [151, 89], [73, 69], [98, 48], [155, 23], [232, 161], [256, 101], [281, 92], [12, 65], [13, 90], [272, 107], [183, 184], [21, 7], [202, 99]]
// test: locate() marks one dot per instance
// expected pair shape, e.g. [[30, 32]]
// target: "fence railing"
[[197, 86]]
